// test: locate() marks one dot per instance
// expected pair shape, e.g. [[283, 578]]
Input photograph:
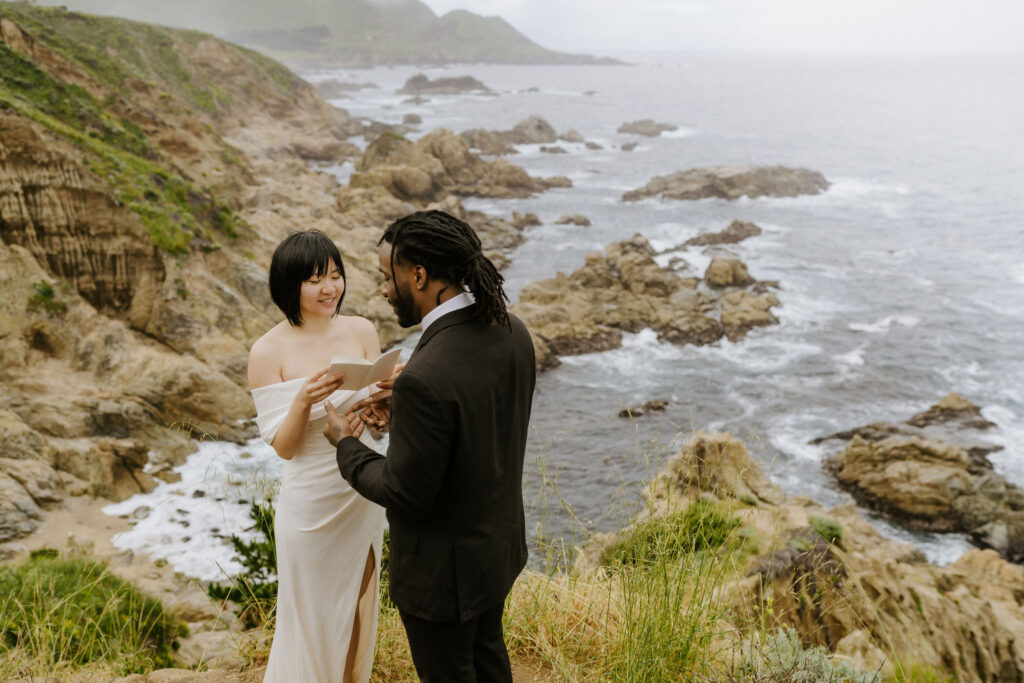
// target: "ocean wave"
[[885, 323], [680, 132], [1008, 462], [189, 523], [855, 357]]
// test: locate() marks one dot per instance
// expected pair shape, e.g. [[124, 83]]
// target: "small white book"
[[360, 372]]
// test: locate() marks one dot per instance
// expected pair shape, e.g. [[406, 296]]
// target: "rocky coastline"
[[867, 599], [133, 251], [932, 472], [624, 289]]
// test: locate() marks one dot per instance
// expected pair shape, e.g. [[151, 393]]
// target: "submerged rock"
[[732, 182], [647, 127], [736, 232]]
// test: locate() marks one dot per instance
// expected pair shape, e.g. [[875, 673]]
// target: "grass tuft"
[[56, 613]]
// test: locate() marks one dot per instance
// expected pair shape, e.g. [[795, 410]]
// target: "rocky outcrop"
[[865, 597], [624, 290], [533, 130], [575, 219], [647, 127], [735, 233], [732, 182], [421, 85], [438, 164], [932, 472]]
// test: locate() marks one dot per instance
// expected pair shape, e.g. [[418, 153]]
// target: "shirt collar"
[[455, 303]]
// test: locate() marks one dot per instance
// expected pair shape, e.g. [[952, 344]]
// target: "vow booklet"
[[360, 372]]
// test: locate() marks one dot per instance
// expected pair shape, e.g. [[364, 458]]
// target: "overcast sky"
[[596, 26]]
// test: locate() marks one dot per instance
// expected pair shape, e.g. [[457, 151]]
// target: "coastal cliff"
[[146, 174]]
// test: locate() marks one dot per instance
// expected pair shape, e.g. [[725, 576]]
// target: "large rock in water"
[[529, 131], [438, 164], [419, 84], [625, 290], [865, 598], [732, 182], [932, 472]]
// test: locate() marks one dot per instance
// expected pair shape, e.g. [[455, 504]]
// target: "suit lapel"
[[459, 317]]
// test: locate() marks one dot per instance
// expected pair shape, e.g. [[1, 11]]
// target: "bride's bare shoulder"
[[364, 331], [265, 358]]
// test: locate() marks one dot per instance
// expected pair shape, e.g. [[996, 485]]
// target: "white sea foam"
[[189, 523], [855, 357], [885, 323], [940, 549], [1008, 462], [680, 132]]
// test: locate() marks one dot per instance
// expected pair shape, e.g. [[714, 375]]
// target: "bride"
[[328, 536]]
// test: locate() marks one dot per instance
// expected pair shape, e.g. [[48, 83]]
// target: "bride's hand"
[[319, 387]]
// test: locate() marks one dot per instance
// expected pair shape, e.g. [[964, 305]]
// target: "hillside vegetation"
[[353, 32]]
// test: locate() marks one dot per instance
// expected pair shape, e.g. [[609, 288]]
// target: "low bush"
[[58, 612]]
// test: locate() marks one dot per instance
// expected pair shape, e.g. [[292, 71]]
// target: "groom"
[[452, 478]]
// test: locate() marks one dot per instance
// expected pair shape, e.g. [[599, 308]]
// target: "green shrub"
[[829, 529], [44, 298], [75, 612], [701, 526], [781, 656], [255, 589]]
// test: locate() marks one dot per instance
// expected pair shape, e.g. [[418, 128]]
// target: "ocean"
[[901, 283]]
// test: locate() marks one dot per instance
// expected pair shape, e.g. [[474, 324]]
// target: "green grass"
[[68, 103], [58, 613], [829, 529], [700, 526], [44, 299]]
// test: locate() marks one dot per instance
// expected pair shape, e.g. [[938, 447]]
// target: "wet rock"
[[419, 84], [624, 290], [726, 271], [533, 130], [628, 146], [924, 476], [647, 127], [574, 218], [736, 232], [644, 408], [732, 182], [527, 220]]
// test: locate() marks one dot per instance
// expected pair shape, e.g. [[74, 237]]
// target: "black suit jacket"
[[452, 478]]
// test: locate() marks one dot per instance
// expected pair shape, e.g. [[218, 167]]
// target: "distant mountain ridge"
[[348, 32]]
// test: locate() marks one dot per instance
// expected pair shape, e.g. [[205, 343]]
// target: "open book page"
[[360, 372]]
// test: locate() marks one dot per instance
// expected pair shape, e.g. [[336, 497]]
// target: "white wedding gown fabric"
[[324, 530]]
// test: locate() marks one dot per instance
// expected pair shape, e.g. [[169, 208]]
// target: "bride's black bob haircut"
[[300, 256]]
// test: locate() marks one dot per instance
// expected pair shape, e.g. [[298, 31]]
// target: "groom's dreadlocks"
[[450, 251]]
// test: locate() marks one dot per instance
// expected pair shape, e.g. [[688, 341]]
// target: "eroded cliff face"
[[66, 217], [117, 350]]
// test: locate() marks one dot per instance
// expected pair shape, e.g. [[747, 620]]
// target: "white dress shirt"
[[455, 303]]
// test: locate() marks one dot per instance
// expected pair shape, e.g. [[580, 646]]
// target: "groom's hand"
[[340, 426], [375, 409]]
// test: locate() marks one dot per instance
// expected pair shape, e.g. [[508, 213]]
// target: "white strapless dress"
[[324, 530]]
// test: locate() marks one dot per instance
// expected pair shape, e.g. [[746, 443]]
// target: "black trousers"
[[456, 652]]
